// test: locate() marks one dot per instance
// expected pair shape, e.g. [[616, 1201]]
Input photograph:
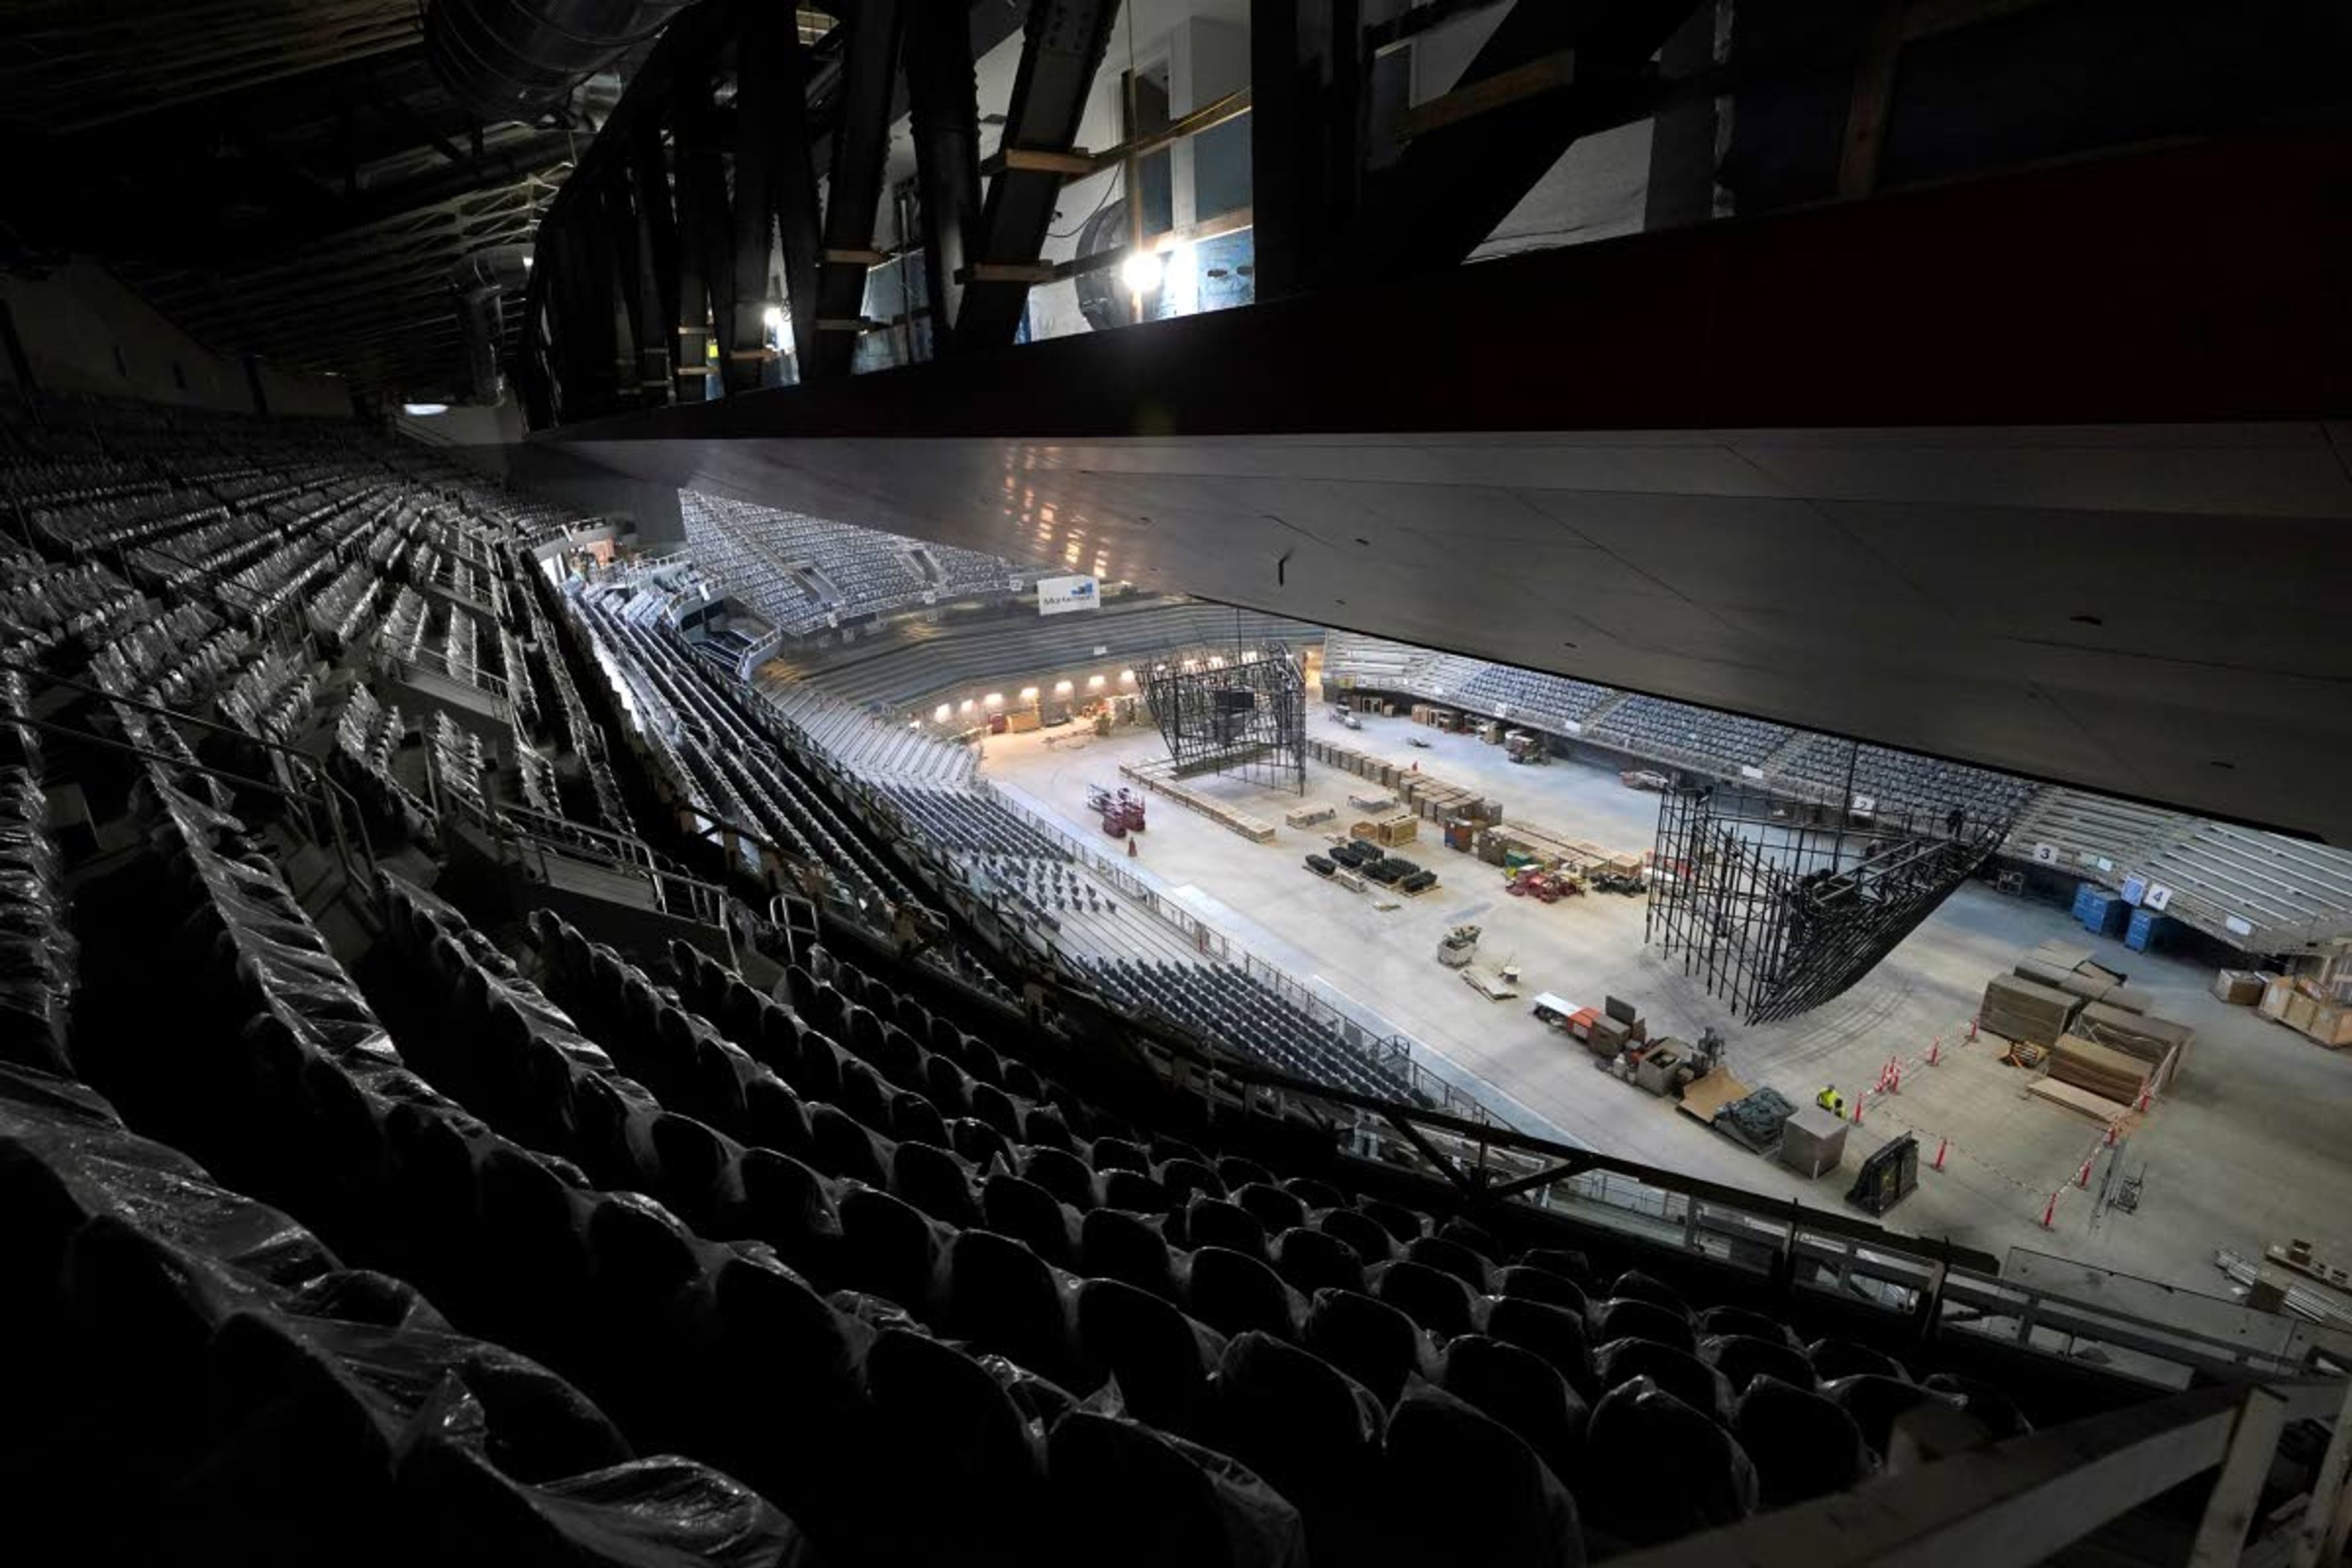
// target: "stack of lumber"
[[2021, 1009], [2159, 1044], [2107, 1072]]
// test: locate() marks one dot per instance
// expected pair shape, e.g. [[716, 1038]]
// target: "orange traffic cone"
[[1130, 845], [1972, 1031], [1857, 1110], [1942, 1144], [2111, 1135], [1935, 1050], [2082, 1176], [2142, 1099], [2050, 1211]]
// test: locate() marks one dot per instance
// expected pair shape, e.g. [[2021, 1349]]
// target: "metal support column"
[[861, 146], [943, 93]]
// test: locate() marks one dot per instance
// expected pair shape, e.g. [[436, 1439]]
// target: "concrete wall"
[[84, 332]]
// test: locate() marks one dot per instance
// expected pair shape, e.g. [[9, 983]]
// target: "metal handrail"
[[2024, 1499], [329, 790]]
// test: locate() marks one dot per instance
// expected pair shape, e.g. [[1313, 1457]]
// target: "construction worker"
[[1830, 1100]]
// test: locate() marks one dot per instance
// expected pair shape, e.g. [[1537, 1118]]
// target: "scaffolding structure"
[[1778, 906], [1241, 713]]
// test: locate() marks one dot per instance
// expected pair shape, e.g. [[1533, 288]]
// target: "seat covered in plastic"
[[1371, 1341], [1029, 1214], [976, 1489], [1534, 1284], [1372, 1243], [1555, 1333], [935, 1182], [1234, 1293], [1124, 1493], [1450, 1258], [1802, 1444], [1002, 1297], [1655, 1469], [1630, 1318], [888, 1247], [1162, 1359], [1834, 1359], [1312, 1433], [1215, 1222], [1310, 1260], [1114, 1245], [1520, 1389], [1504, 1507], [1438, 1301], [1743, 1358], [1679, 1373]]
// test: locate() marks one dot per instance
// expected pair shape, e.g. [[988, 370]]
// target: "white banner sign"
[[1060, 595]]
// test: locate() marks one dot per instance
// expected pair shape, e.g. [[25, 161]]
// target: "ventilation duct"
[[512, 59], [481, 280]]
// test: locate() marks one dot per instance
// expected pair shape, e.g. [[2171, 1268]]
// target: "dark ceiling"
[[285, 178]]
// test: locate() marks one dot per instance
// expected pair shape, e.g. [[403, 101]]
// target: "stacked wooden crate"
[[2107, 1072], [2159, 1044], [2021, 1009]]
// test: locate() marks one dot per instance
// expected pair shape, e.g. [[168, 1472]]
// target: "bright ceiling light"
[[1094, 683], [1141, 271], [1061, 688], [939, 714], [423, 410], [994, 699], [1028, 694]]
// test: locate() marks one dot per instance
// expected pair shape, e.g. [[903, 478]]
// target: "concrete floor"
[[2246, 1151]]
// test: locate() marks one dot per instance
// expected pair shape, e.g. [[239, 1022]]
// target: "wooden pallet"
[[2082, 1101]]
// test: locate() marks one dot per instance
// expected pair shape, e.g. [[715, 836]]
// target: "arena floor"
[[2243, 1153]]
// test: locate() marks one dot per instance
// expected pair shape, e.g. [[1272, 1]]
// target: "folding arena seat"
[[973, 1487], [1045, 1127], [1313, 1434], [1634, 1284], [1234, 1293], [692, 1159], [983, 1145], [1438, 1302], [775, 1117], [913, 1118], [862, 1097], [1740, 1320], [947, 1085], [996, 1107], [1002, 1297], [1628, 1317], [776, 1199], [1126, 1493], [1399, 1222], [1316, 1194], [1530, 1283], [1371, 1341], [1834, 1359], [1449, 1258], [1116, 1244], [1520, 1389], [1239, 1171], [1184, 1177], [1132, 1192], [1030, 1215], [1803, 1445], [843, 1149], [1061, 1174], [888, 1247], [1311, 1260], [1679, 1373], [1504, 1507], [1118, 1154], [1274, 1209], [1876, 1402], [1743, 1358], [1160, 1359], [1629, 1496], [935, 1182], [1213, 1222], [1359, 1231], [1990, 1405]]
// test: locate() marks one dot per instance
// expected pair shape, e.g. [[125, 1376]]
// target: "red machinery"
[[1121, 814], [1550, 886]]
